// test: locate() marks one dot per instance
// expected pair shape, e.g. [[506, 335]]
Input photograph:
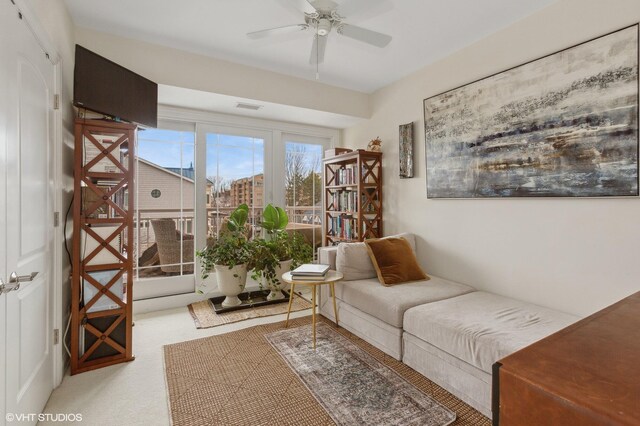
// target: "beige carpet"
[[238, 378], [205, 317]]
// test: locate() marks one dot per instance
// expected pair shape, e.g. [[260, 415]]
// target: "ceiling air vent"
[[248, 106]]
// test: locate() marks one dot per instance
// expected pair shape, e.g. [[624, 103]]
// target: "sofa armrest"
[[327, 256]]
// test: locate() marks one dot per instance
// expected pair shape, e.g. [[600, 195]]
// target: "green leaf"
[[283, 219], [270, 218], [238, 218]]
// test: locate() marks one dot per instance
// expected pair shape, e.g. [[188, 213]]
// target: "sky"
[[232, 157]]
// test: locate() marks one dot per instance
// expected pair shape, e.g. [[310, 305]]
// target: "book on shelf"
[[311, 269], [344, 226]]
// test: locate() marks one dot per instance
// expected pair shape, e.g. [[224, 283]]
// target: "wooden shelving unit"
[[352, 197], [102, 257]]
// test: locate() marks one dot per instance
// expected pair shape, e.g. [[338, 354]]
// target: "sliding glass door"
[[302, 183], [164, 211], [191, 176], [230, 172]]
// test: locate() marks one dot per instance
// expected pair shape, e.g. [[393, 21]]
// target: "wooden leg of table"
[[335, 309], [291, 293], [313, 313]]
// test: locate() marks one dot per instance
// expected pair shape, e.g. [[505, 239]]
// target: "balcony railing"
[[305, 219]]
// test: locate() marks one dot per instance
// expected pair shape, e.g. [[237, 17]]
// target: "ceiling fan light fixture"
[[324, 26]]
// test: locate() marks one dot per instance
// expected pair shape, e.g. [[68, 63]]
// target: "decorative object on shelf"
[[102, 267], [277, 251], [353, 197], [375, 145], [335, 151], [230, 256], [406, 150], [565, 125]]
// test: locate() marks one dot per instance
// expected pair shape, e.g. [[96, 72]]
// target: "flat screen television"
[[105, 87]]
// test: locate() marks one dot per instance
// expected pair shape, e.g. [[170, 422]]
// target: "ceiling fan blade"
[[277, 31], [300, 5], [325, 6], [363, 8], [364, 35], [317, 50]]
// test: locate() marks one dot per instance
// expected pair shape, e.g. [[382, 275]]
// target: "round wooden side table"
[[331, 278]]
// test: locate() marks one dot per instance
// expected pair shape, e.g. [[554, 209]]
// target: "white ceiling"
[[423, 31]]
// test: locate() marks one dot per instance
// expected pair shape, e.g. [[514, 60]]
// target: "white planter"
[[276, 289], [231, 282]]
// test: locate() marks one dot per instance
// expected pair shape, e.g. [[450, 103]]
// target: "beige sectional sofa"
[[445, 330]]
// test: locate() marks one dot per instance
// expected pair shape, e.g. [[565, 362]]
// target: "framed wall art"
[[565, 125], [406, 150]]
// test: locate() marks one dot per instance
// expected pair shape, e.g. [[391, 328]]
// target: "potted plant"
[[230, 256], [277, 252]]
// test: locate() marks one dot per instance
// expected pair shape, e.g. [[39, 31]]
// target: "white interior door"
[[27, 103]]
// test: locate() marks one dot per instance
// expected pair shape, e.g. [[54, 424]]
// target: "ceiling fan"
[[323, 16]]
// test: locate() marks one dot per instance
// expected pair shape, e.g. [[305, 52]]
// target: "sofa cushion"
[[481, 328], [394, 261], [389, 304], [354, 262]]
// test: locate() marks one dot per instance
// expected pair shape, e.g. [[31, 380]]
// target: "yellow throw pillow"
[[394, 261]]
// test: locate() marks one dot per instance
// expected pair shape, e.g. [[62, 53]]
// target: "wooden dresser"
[[586, 374]]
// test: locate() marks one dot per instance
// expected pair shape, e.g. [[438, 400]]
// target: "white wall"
[[576, 255], [178, 68]]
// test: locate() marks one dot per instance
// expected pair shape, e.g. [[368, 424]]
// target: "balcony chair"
[[168, 241]]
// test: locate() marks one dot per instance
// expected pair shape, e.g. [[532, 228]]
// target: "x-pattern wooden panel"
[[371, 168], [330, 177], [370, 199], [102, 290], [103, 337], [105, 197], [104, 243], [108, 140], [105, 151]]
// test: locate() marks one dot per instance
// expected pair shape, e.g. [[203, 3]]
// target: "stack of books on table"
[[310, 272]]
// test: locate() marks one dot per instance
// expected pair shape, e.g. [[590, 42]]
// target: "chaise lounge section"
[[445, 330]]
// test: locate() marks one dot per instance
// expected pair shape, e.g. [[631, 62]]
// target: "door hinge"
[[56, 219], [56, 101], [56, 336]]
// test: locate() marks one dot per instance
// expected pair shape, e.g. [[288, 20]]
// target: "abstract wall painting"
[[565, 125], [406, 150]]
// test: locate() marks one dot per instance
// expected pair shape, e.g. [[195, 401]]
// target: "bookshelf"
[[101, 290], [352, 197]]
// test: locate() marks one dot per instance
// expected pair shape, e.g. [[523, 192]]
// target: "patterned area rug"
[[239, 378], [353, 386], [205, 317]]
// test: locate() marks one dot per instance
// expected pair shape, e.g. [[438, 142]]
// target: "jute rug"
[[352, 386], [205, 317], [238, 378]]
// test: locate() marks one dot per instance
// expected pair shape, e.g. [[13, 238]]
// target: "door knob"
[[14, 282], [6, 288], [15, 278]]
